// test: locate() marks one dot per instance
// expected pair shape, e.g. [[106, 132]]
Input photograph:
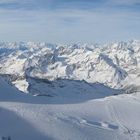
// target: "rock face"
[[115, 65]]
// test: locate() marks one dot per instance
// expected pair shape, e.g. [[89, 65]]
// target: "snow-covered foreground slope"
[[28, 117]]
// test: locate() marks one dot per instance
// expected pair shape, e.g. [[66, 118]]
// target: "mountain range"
[[70, 92]]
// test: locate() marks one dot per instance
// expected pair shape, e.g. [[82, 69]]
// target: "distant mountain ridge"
[[116, 65]]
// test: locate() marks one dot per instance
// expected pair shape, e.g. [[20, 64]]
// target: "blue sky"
[[69, 21]]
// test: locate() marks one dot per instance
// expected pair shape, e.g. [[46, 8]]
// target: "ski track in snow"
[[134, 134]]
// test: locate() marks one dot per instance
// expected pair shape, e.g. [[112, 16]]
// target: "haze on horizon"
[[68, 21]]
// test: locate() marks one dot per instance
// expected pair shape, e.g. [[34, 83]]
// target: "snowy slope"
[[115, 117]]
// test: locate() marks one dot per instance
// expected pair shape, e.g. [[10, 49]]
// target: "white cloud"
[[69, 25]]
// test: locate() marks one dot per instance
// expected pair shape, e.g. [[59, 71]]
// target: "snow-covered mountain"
[[78, 91], [114, 65]]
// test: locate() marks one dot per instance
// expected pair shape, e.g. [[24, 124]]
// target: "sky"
[[69, 21]]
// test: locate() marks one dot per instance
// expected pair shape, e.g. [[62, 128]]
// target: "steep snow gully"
[[70, 92]]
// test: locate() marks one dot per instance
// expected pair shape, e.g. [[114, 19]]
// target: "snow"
[[115, 117], [110, 64], [74, 92]]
